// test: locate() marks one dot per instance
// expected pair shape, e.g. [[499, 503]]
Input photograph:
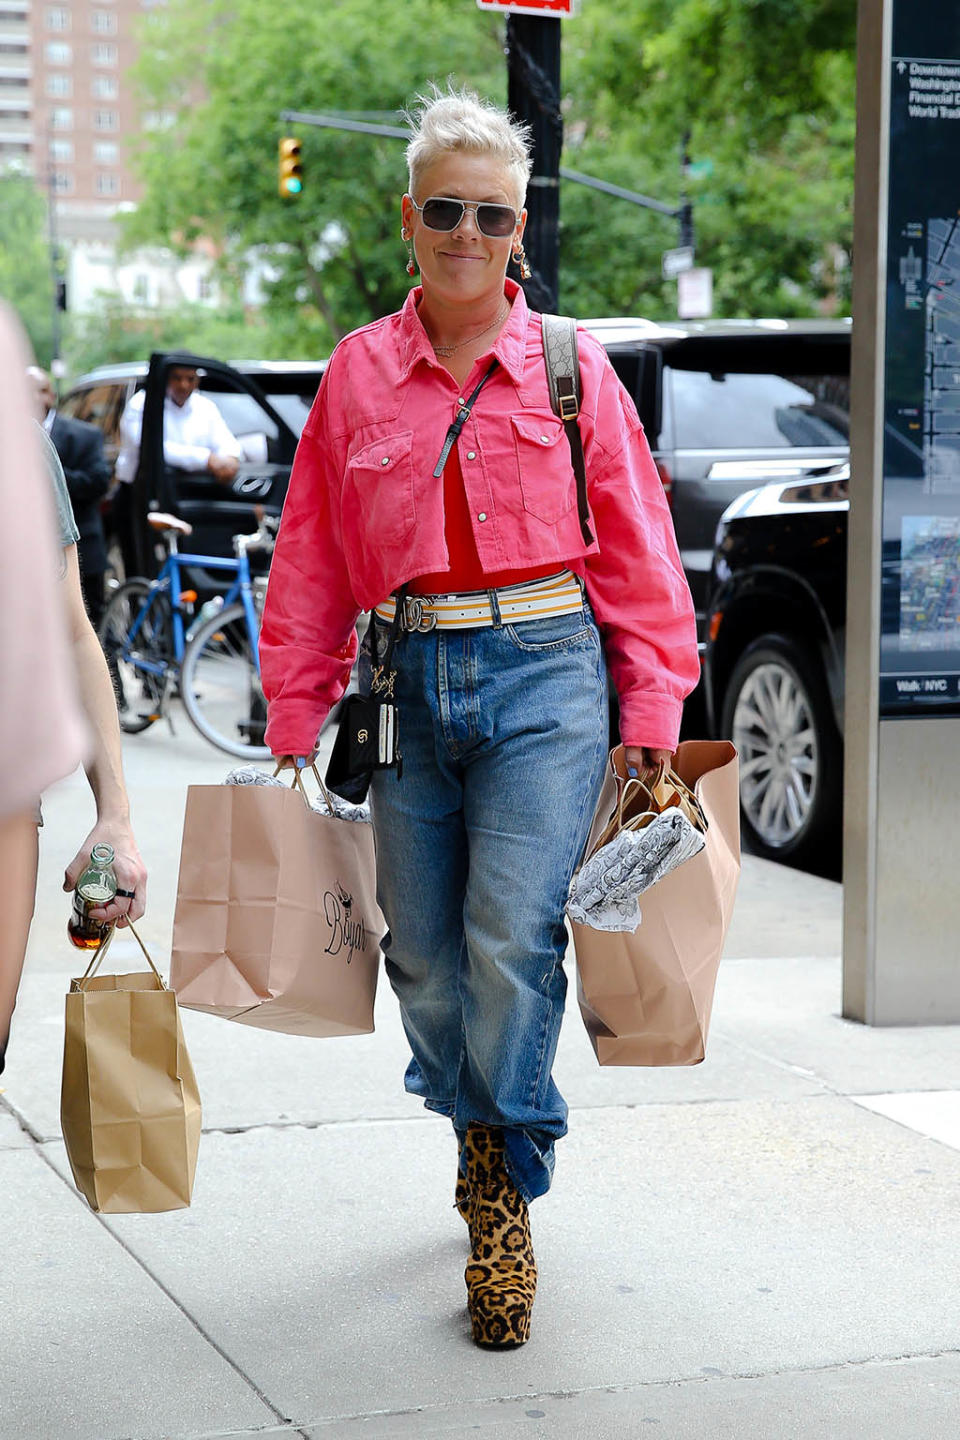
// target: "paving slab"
[[897, 1400], [678, 1242], [789, 1012], [12, 1137], [92, 1348], [935, 1114], [256, 1077]]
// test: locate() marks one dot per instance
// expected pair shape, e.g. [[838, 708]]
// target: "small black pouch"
[[368, 730]]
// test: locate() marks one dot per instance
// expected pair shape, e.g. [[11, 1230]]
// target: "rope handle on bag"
[[94, 965]]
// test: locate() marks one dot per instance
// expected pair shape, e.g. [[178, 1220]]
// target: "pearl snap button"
[[385, 460], [461, 401], [471, 454], [482, 515], [545, 439]]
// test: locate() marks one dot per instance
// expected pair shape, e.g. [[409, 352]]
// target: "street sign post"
[[551, 9], [676, 261], [902, 710]]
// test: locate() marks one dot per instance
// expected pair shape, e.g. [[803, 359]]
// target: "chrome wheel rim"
[[775, 734]]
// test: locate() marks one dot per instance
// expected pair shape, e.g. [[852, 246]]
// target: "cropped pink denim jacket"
[[364, 514]]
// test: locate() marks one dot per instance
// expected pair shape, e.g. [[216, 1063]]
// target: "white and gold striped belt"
[[558, 594]]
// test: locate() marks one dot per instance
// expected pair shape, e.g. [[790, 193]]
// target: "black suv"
[[773, 674], [729, 405]]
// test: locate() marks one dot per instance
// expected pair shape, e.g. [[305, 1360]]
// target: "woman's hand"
[[641, 757], [295, 762], [131, 873]]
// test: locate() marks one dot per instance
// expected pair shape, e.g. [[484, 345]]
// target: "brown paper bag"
[[277, 923], [646, 997], [129, 1104]]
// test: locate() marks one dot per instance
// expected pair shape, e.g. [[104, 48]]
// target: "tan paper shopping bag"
[[277, 923], [129, 1104], [646, 997]]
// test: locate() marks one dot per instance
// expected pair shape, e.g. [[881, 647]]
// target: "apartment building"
[[66, 103]]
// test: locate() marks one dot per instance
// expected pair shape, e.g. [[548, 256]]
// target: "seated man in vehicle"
[[196, 438]]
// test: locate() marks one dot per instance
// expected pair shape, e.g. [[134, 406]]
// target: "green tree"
[[25, 275], [765, 89], [224, 72]]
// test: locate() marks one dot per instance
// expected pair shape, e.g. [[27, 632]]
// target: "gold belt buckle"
[[416, 616]]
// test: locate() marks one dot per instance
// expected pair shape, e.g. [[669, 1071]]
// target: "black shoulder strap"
[[563, 376]]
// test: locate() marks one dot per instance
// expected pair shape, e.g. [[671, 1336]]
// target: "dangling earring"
[[406, 237], [520, 259]]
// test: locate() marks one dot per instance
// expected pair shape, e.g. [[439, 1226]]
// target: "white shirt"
[[192, 432]]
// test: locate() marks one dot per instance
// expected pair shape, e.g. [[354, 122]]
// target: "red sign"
[[546, 8]]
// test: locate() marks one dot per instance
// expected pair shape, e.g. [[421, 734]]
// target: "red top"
[[465, 571]]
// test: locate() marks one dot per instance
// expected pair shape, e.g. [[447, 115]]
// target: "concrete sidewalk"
[[762, 1247]]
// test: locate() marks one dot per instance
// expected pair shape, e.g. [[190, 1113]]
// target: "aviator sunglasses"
[[442, 213]]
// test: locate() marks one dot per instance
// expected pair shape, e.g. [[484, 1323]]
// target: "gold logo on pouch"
[[363, 736]]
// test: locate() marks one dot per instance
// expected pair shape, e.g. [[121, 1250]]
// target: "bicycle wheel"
[[139, 691], [220, 687]]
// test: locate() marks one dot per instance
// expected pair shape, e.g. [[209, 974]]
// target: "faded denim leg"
[[421, 880], [503, 733]]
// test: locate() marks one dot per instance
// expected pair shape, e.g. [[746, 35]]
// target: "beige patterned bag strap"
[[562, 362]]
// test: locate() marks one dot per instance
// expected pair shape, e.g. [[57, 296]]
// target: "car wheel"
[[777, 711]]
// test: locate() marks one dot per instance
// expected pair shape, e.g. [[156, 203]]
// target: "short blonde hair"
[[460, 120]]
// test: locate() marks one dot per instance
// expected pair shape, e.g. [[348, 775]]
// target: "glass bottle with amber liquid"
[[96, 886]]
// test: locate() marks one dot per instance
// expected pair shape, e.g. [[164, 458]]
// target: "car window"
[[242, 413], [734, 411], [294, 409], [100, 405]]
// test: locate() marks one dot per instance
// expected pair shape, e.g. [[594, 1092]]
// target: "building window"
[[104, 87], [105, 152], [62, 182], [103, 22], [204, 288], [103, 54], [61, 149], [58, 52], [57, 17], [141, 289], [105, 120], [60, 85], [107, 184], [61, 118]]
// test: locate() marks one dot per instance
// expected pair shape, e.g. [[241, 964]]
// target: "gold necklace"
[[449, 349]]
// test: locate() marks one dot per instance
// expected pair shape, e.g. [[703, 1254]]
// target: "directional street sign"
[[676, 261], [549, 9]]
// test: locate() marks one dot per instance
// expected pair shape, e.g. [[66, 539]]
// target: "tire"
[[139, 694], [220, 686], [777, 711]]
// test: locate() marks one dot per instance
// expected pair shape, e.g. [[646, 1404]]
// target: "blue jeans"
[[503, 732]]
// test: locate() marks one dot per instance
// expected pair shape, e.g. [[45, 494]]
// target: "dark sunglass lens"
[[496, 220], [442, 214]]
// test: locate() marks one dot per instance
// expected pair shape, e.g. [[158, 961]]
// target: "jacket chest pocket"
[[379, 506], [544, 465]]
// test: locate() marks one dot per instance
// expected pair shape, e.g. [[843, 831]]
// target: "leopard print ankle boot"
[[502, 1274]]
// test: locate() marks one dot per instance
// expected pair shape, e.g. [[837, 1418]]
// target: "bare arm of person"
[[105, 767], [18, 865]]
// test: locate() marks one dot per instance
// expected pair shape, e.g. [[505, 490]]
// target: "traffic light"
[[290, 182]]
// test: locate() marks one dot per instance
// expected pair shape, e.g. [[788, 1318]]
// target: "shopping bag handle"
[[94, 965], [297, 784]]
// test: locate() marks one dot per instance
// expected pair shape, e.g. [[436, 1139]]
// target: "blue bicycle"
[[156, 648]]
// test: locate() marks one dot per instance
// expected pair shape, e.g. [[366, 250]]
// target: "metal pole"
[[685, 211], [54, 270], [533, 95]]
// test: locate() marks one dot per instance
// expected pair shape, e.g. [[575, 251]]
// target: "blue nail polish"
[[632, 771]]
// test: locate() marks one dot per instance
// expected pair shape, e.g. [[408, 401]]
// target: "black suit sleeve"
[[85, 465]]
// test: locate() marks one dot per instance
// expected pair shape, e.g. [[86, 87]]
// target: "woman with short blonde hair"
[[434, 486]]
